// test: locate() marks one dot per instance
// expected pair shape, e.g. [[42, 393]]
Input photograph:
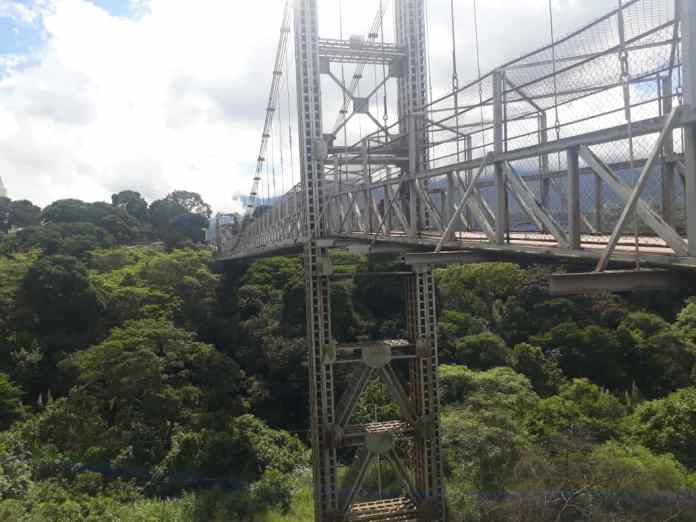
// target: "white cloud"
[[175, 97]]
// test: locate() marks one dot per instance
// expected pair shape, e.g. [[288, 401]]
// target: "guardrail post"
[[667, 156], [451, 198], [501, 212], [574, 222], [688, 28], [545, 182]]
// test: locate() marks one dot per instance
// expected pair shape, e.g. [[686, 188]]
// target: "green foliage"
[[379, 299], [664, 358], [594, 352], [686, 321], [474, 288], [18, 214], [667, 425], [133, 203], [180, 218], [69, 211], [483, 351], [543, 372], [135, 389], [10, 401], [484, 434], [243, 452], [13, 270], [454, 325], [581, 410], [73, 239], [178, 286], [64, 303]]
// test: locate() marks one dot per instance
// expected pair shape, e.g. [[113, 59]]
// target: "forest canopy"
[[140, 380]]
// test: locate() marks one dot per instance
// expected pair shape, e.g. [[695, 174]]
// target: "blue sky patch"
[[19, 42], [122, 8]]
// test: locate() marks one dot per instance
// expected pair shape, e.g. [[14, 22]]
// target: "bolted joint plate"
[[320, 150], [325, 266], [424, 347], [377, 355], [424, 428], [380, 443], [328, 352], [333, 435]]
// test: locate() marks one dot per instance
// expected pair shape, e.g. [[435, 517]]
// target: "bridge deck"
[[652, 250]]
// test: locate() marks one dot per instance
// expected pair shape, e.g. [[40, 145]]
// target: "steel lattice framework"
[[553, 155]]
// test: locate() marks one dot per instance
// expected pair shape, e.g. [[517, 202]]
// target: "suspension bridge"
[[582, 151]]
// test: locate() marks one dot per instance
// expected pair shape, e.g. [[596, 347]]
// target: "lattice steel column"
[[425, 393], [316, 260], [413, 96]]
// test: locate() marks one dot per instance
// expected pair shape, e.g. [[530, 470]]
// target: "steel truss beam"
[[360, 52]]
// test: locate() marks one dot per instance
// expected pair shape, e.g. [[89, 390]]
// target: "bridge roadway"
[[530, 245]]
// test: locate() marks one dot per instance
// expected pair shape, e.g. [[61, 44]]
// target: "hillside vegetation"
[[141, 381]]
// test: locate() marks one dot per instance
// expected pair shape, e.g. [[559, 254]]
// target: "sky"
[[98, 96]]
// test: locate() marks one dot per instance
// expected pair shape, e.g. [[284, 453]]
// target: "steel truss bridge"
[[584, 150]]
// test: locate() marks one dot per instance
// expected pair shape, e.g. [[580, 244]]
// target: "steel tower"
[[411, 445]]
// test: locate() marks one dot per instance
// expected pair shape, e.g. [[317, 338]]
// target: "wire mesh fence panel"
[[612, 76]]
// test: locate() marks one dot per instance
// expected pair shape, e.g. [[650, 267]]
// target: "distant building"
[[3, 190]]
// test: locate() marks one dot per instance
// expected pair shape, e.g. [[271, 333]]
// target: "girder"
[[359, 51]]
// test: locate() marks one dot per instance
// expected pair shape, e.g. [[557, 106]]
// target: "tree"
[[24, 213], [475, 288], [594, 352], [581, 409], [136, 389], [507, 388], [686, 321], [181, 216], [133, 203], [379, 298], [484, 435], [10, 401], [663, 358], [483, 351], [18, 214], [191, 202], [667, 425], [58, 291], [454, 325], [68, 211], [544, 373], [122, 226], [5, 209]]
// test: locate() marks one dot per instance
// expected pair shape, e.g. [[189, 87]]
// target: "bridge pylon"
[[411, 444]]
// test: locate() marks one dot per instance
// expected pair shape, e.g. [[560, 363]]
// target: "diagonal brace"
[[637, 190], [349, 399], [643, 209], [404, 475], [354, 479], [399, 394], [522, 191], [460, 206]]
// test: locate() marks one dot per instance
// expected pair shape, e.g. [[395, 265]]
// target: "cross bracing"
[[582, 150]]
